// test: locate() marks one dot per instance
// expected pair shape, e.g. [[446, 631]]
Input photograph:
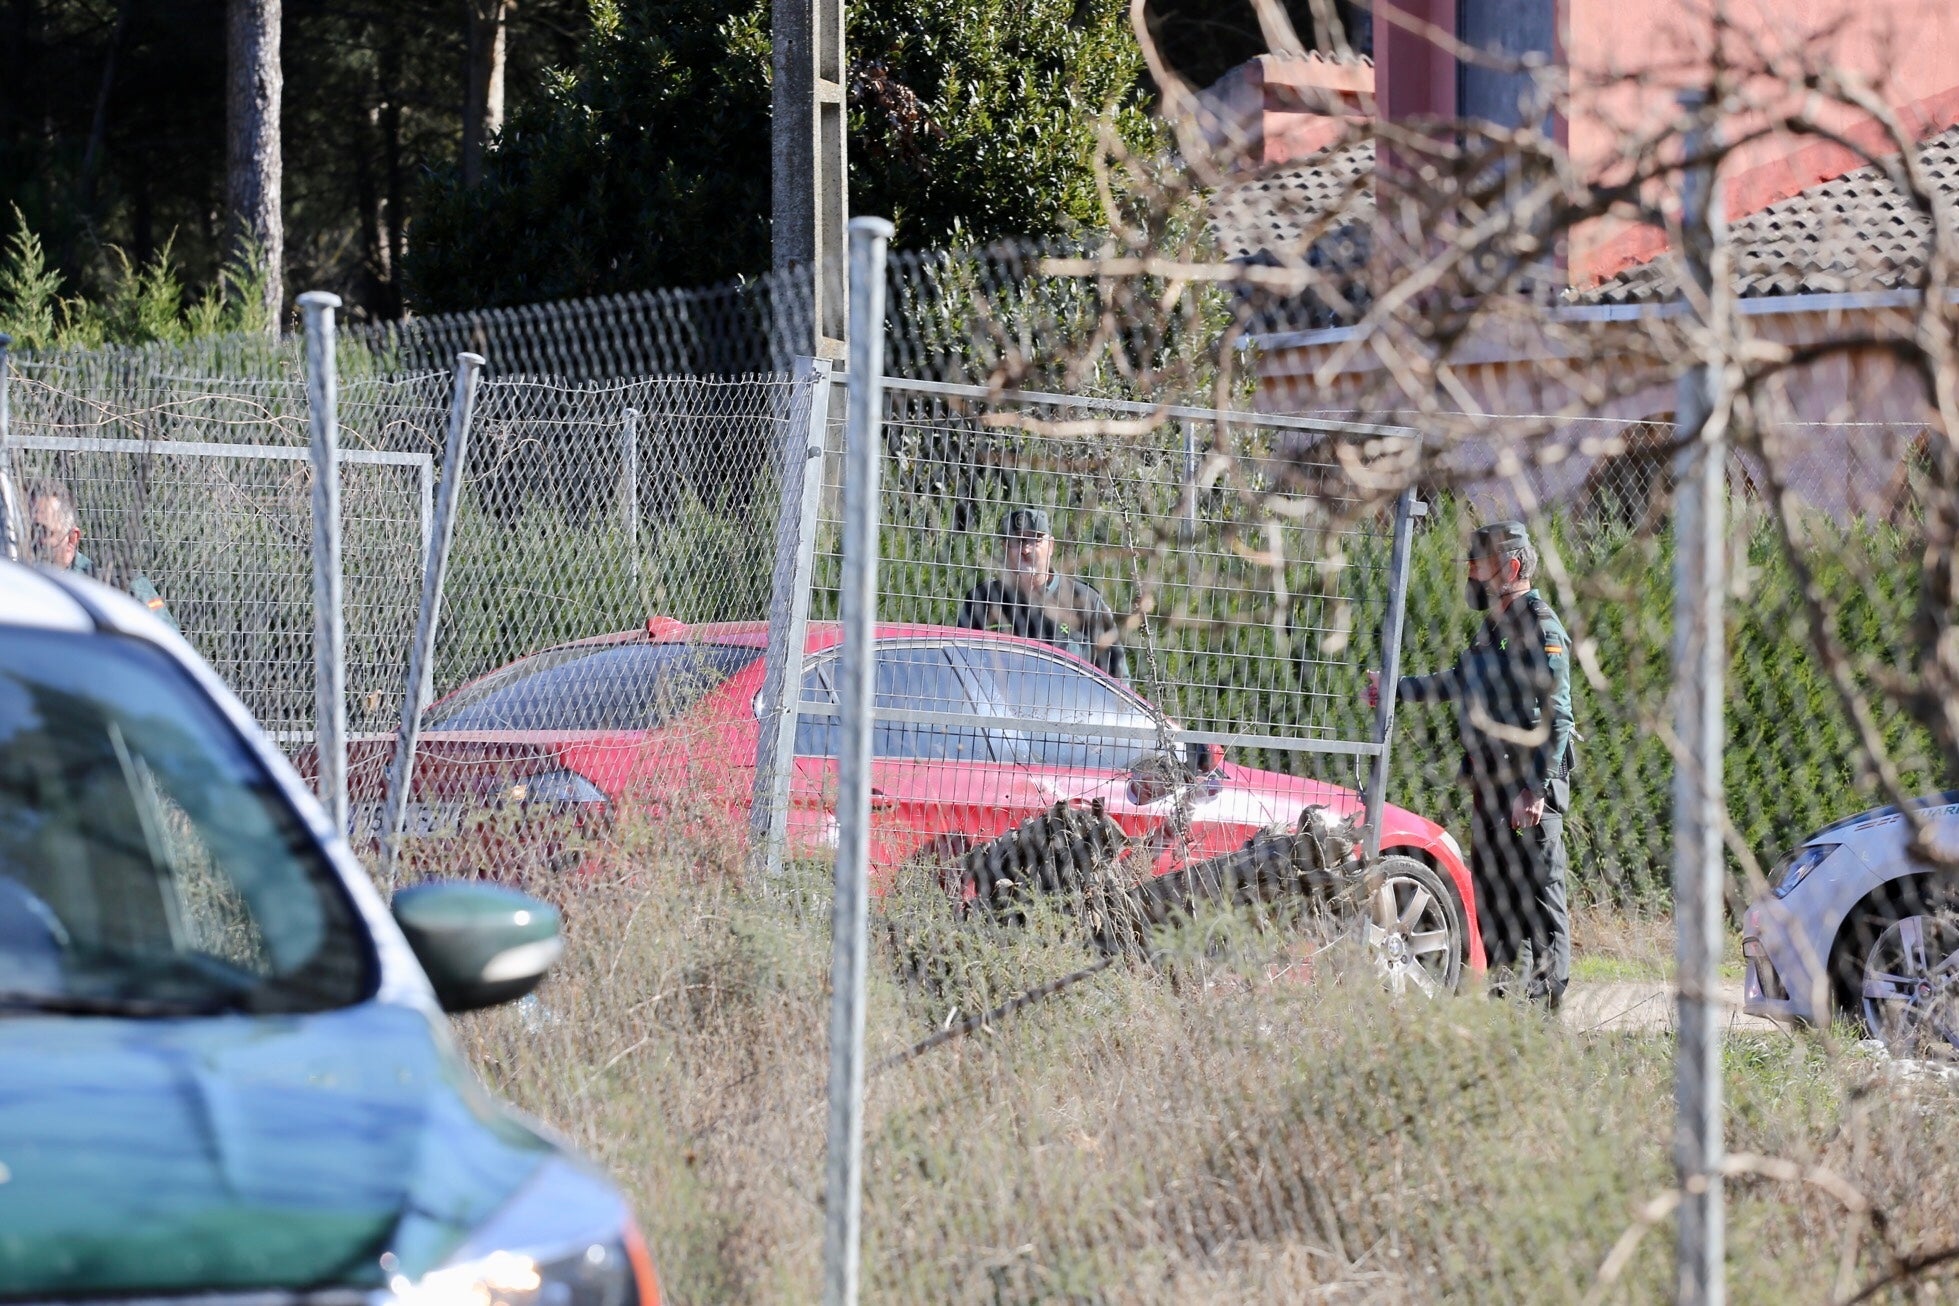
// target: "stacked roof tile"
[[1855, 232]]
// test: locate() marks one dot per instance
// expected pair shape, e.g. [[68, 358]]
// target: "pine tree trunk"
[[254, 84], [489, 20]]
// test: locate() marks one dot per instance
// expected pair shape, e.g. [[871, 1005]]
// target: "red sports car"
[[666, 718]]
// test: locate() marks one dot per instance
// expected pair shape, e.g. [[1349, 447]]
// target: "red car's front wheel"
[[1413, 929]]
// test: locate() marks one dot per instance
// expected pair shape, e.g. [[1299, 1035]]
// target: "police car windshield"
[[148, 864], [594, 687]]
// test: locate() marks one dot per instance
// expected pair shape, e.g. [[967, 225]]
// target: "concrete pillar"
[[810, 202]]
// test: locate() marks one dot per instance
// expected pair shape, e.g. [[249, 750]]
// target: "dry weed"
[[1186, 1129]]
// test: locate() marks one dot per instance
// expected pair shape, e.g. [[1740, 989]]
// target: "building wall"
[[1843, 436], [1627, 62]]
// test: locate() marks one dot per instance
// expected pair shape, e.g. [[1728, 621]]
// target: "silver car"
[[1855, 924]]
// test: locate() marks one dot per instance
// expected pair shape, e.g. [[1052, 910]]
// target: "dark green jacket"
[[133, 583], [1516, 676]]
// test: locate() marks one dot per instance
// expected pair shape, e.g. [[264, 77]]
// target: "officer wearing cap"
[[1030, 598], [1512, 691], [55, 537]]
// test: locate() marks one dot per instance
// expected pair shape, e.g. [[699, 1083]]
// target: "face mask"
[[1479, 593]]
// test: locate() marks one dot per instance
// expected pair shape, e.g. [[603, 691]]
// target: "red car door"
[[936, 787], [1078, 765]]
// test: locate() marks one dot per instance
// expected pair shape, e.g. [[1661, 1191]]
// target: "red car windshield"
[[594, 687]]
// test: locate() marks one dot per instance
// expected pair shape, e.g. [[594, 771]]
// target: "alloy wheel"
[[1911, 985], [1411, 932]]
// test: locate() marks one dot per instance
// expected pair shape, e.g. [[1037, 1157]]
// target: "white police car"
[[1855, 924], [225, 1072]]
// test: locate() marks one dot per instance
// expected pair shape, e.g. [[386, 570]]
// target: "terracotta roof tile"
[[1855, 232]]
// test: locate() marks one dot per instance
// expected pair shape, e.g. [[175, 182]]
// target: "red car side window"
[[1037, 687], [910, 678]]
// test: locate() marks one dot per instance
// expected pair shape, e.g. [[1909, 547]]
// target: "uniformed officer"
[[1512, 691], [1030, 598], [55, 537]]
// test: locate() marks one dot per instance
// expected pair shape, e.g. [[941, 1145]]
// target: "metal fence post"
[[795, 557], [629, 487], [421, 654], [1700, 692], [849, 913], [1405, 512], [329, 628], [12, 527], [425, 505], [1189, 527]]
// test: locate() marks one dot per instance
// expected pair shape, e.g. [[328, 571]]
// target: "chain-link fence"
[[1067, 618], [198, 488], [1145, 1019]]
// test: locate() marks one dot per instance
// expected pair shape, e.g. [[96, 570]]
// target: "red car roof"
[[821, 635]]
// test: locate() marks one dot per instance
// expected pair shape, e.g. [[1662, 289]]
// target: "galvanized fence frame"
[[140, 452], [813, 438]]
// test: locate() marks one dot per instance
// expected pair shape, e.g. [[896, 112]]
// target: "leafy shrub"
[[140, 304]]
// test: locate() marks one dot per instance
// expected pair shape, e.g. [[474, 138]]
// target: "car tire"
[[1413, 929], [1898, 973]]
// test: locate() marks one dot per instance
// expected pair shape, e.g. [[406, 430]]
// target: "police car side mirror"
[[479, 944]]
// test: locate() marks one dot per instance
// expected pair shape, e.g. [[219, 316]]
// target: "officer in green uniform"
[[1030, 598], [1512, 691], [55, 537]]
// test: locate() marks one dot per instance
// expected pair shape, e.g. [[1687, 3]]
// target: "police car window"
[[913, 678], [147, 859], [594, 687], [1040, 688]]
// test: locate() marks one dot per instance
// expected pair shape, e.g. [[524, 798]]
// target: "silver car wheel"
[[1911, 985], [1412, 931]]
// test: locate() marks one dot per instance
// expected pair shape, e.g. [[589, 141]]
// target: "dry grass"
[[1611, 944], [1188, 1131]]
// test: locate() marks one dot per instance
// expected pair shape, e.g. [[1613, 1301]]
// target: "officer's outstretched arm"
[[1439, 687]]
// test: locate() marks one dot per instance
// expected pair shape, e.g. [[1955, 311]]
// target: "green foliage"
[[975, 119], [112, 130], [29, 289], [548, 576], [647, 164], [139, 303]]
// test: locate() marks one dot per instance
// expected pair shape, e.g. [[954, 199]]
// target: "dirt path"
[[1645, 1005]]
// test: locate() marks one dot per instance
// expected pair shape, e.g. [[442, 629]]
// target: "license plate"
[[420, 820]]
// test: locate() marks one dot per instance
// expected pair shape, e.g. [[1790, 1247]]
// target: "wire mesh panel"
[[208, 514], [604, 616], [1085, 637], [1239, 605]]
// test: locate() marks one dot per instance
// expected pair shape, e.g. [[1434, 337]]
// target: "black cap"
[[1499, 539], [1025, 521]]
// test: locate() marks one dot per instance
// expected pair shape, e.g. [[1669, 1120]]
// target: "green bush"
[[647, 163], [140, 303]]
